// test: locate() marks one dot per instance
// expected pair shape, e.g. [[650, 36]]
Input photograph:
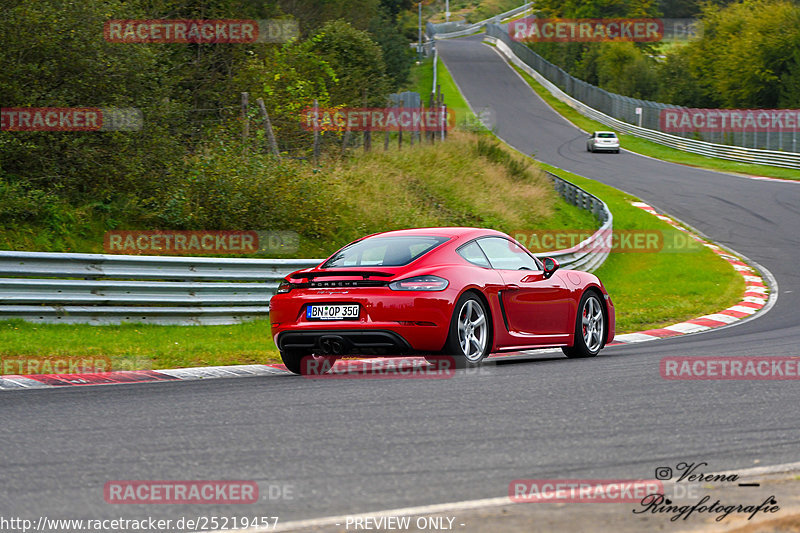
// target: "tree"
[[622, 69], [747, 56], [397, 54], [54, 55], [312, 14], [579, 58], [357, 61]]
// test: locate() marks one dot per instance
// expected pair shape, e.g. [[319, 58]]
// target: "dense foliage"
[[748, 57], [748, 54], [54, 54]]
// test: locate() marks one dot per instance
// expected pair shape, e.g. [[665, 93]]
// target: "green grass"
[[651, 290], [141, 346], [658, 151]]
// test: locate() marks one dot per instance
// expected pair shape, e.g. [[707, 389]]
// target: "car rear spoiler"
[[344, 273]]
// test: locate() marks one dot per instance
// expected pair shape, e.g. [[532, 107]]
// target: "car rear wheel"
[[468, 340], [589, 327], [303, 363]]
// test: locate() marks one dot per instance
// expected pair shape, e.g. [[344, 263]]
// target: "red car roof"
[[448, 231]]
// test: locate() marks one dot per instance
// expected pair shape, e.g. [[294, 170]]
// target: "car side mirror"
[[550, 266]]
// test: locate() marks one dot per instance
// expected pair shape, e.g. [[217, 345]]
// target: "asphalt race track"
[[347, 446]]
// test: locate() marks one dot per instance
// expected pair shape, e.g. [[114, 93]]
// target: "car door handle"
[[512, 287]]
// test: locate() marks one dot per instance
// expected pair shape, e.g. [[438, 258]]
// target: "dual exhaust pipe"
[[332, 345]]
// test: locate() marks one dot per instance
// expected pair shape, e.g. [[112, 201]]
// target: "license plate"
[[332, 312]]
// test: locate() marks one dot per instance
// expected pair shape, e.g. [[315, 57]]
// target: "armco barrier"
[[585, 256], [449, 30], [109, 289], [512, 49]]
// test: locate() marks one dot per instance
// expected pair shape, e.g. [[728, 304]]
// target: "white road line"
[[478, 504]]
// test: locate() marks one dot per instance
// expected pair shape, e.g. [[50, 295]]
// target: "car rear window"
[[383, 251], [607, 135]]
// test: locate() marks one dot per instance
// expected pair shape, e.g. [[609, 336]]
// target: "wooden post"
[[386, 131], [431, 134], [411, 134], [245, 123], [345, 138], [316, 131], [268, 128], [400, 133], [367, 133]]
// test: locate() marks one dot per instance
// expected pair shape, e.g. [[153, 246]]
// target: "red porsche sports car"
[[460, 292]]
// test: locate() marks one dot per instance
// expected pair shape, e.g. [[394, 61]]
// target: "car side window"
[[506, 255], [472, 253]]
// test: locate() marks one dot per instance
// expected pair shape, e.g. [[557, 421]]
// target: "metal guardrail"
[[499, 37], [110, 289], [432, 30], [589, 254]]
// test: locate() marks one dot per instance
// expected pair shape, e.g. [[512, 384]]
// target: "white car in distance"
[[603, 141]]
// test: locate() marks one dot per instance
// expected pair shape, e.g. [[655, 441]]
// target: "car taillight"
[[284, 287], [420, 283]]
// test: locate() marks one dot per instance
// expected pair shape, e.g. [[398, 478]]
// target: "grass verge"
[[138, 346], [649, 148], [652, 290]]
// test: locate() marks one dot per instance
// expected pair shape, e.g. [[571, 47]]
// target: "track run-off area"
[[321, 448]]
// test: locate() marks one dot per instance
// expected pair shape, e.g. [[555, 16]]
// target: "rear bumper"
[[388, 322], [344, 341]]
